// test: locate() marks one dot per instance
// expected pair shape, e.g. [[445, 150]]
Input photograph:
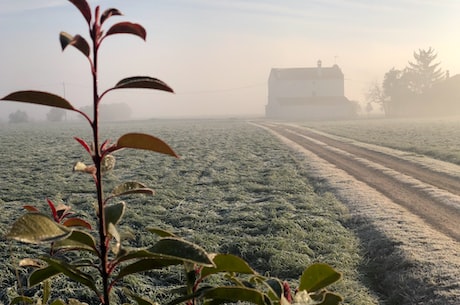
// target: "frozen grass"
[[236, 189]]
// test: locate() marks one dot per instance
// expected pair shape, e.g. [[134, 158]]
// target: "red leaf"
[[144, 141], [84, 144], [77, 41], [109, 13], [127, 28], [84, 8], [53, 210], [143, 82], [39, 98], [30, 208], [104, 144], [77, 222]]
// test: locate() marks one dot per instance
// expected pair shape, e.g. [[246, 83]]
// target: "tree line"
[[111, 112], [422, 88]]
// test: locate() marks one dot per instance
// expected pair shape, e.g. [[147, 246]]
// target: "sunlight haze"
[[217, 54]]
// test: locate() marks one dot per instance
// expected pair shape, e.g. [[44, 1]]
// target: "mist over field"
[[217, 55]]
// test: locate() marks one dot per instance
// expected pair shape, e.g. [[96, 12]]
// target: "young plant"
[[112, 260]]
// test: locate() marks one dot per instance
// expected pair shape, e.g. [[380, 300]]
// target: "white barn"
[[307, 93]]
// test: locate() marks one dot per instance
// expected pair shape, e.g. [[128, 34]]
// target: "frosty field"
[[235, 189]]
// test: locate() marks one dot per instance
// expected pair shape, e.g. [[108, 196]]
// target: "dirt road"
[[405, 209], [441, 216]]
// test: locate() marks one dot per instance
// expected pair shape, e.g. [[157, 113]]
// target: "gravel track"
[[404, 208], [441, 216]]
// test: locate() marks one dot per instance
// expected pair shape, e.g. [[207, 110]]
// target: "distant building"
[[307, 93]]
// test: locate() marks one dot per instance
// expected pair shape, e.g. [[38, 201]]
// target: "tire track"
[[440, 216]]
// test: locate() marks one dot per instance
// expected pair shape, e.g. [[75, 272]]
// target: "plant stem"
[[98, 179]]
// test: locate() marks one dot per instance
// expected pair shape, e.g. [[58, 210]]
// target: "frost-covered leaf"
[[37, 228], [107, 163]]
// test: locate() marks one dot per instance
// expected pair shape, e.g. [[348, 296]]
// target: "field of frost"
[[236, 189]]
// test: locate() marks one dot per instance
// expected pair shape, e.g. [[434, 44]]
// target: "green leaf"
[[39, 98], [127, 254], [84, 9], [146, 264], [37, 228], [58, 302], [276, 288], [131, 187], [114, 212], [73, 273], [127, 28], [112, 230], [46, 291], [144, 141], [176, 248], [77, 41], [77, 240], [139, 300], [318, 276], [109, 13], [161, 232], [77, 222], [331, 299], [143, 82], [22, 300], [227, 263], [39, 275], [221, 295]]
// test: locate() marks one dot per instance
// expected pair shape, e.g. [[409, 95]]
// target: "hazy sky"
[[217, 54]]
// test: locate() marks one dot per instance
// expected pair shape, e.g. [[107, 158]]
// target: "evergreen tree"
[[424, 72]]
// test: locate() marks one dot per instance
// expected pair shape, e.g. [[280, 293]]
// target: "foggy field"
[[236, 189]]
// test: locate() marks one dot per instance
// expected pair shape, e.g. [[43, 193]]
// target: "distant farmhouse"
[[307, 93]]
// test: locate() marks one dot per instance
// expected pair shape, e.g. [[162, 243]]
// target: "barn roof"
[[333, 72]]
